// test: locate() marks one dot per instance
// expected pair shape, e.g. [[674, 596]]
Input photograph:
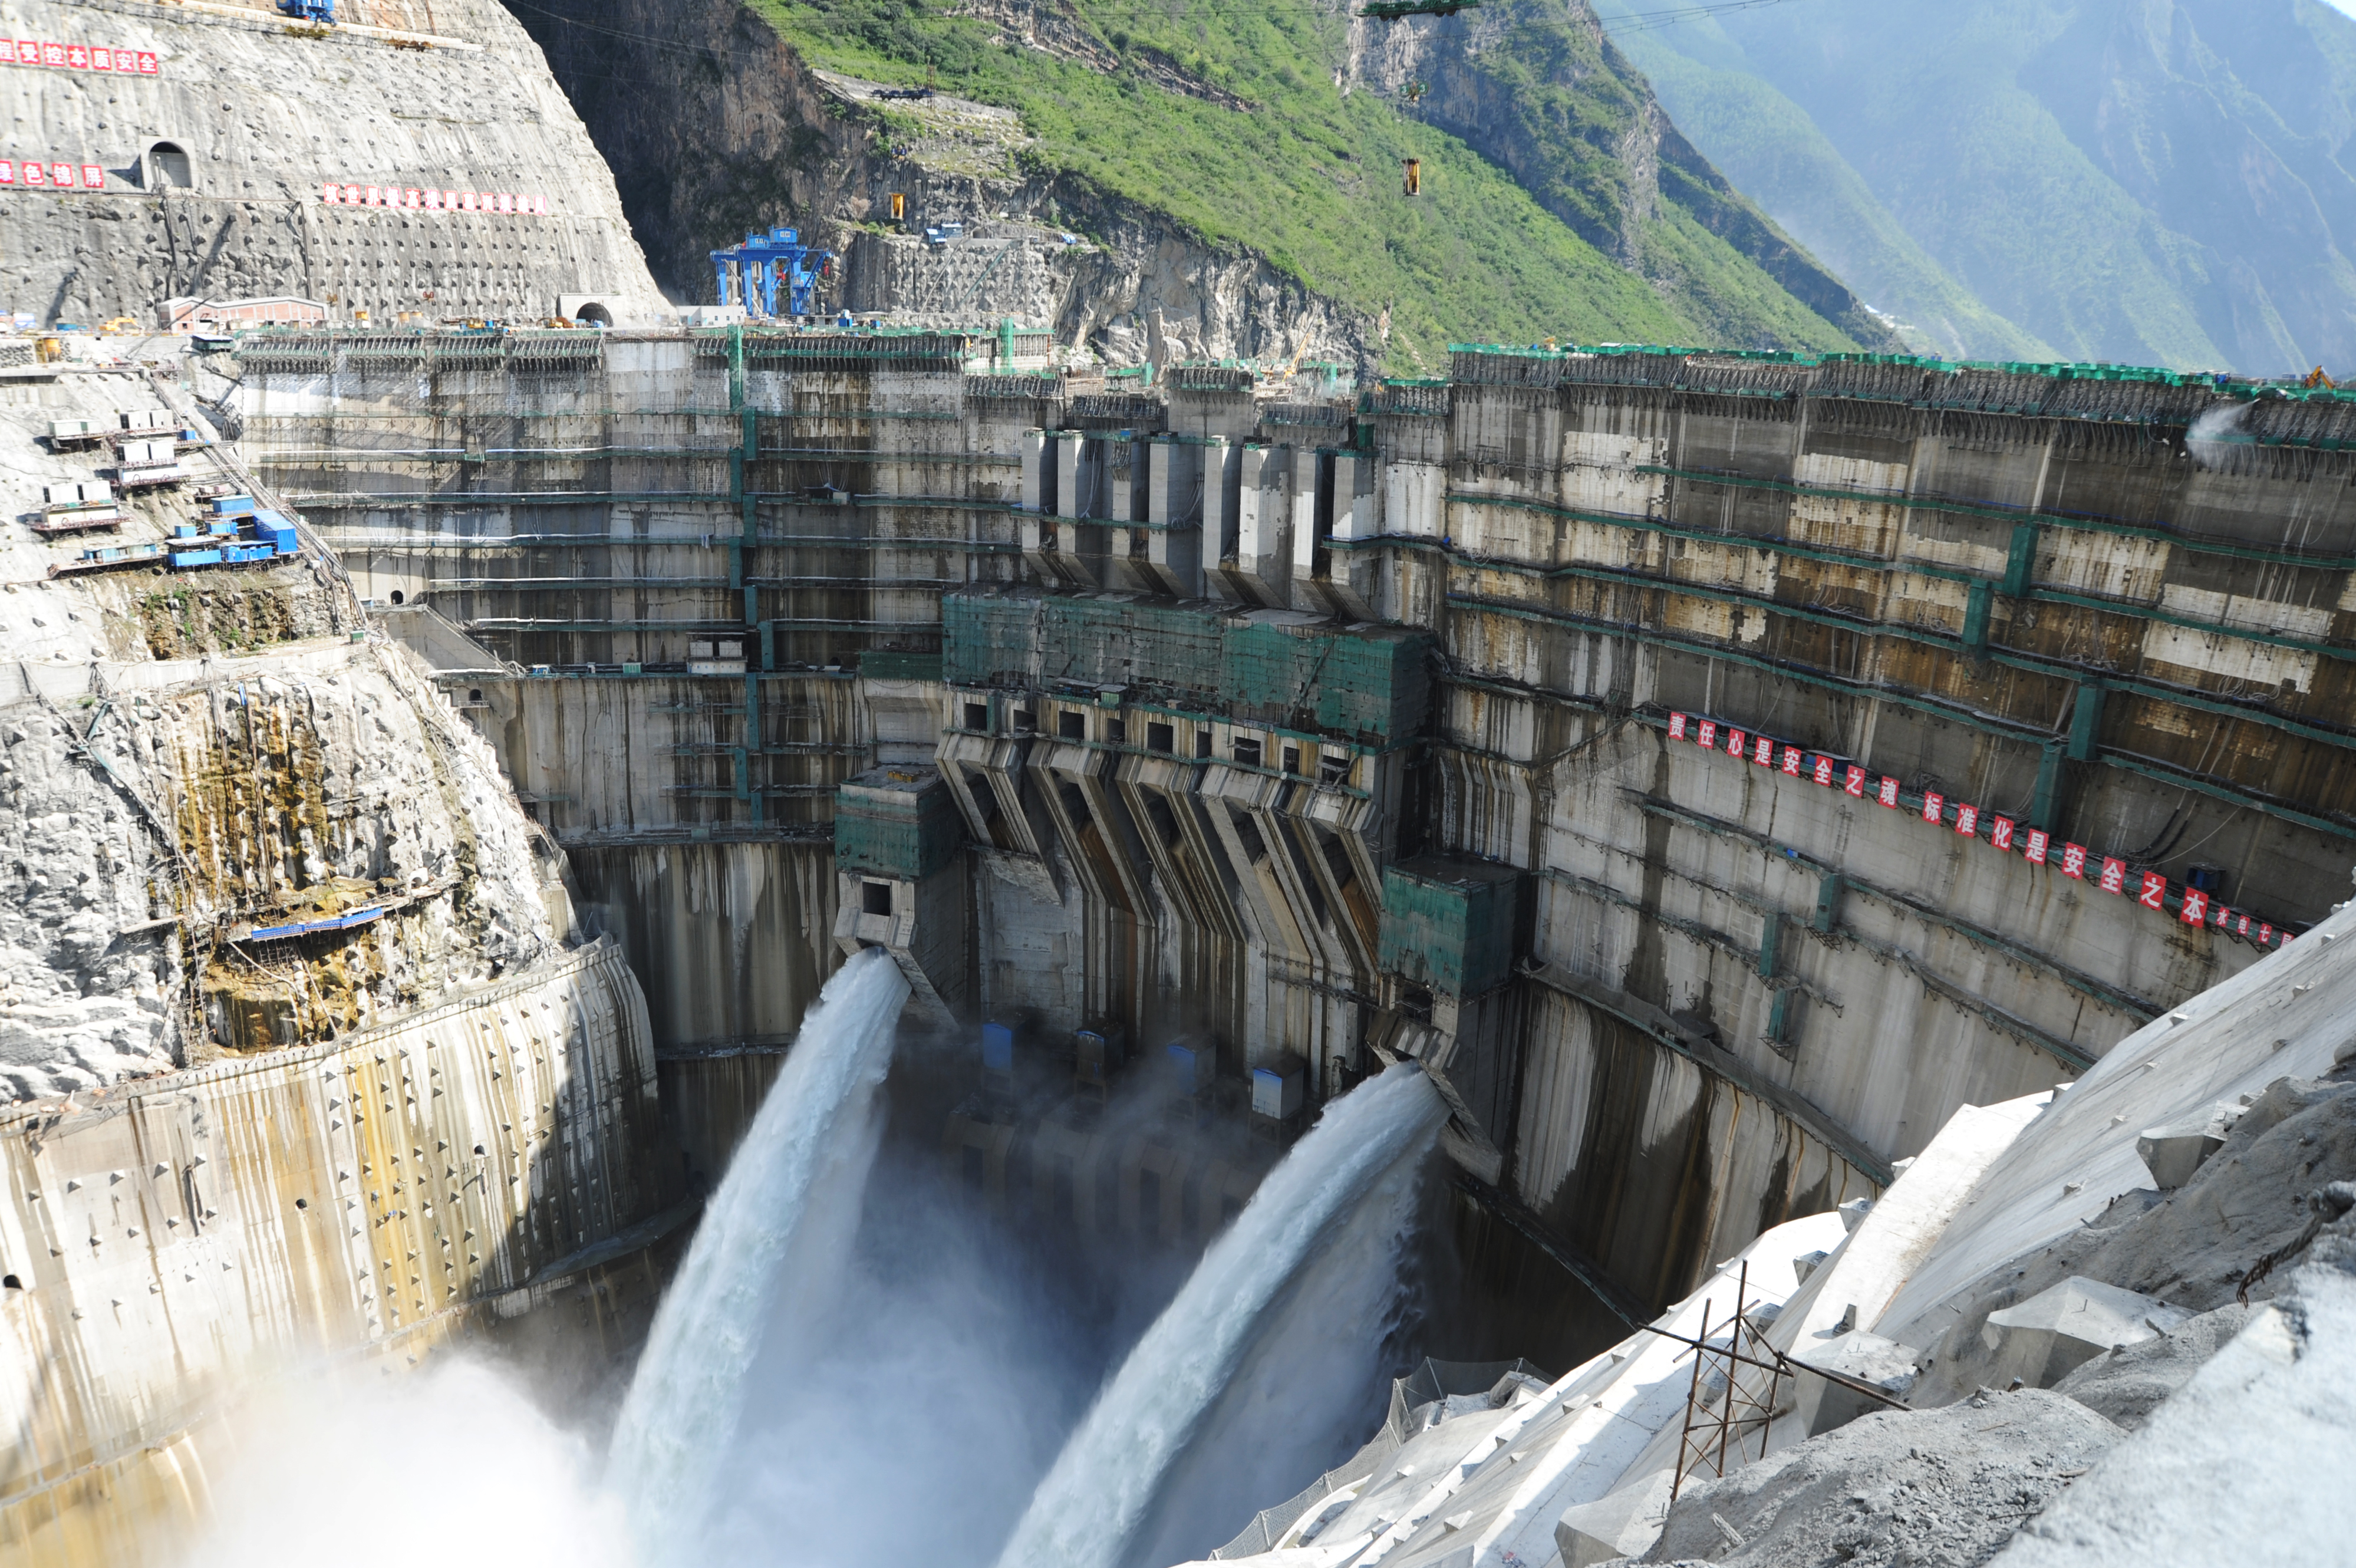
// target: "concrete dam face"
[[899, 942]]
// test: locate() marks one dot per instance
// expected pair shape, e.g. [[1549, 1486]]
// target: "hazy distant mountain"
[[2148, 181]]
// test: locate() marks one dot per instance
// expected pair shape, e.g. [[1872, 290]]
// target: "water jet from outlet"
[[773, 1247], [1265, 1359]]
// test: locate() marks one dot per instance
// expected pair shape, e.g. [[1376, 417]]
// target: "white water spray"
[[1313, 1259], [774, 1245]]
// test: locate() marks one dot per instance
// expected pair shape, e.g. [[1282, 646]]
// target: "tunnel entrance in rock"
[[168, 165]]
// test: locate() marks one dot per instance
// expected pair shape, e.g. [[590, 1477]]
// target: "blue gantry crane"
[[750, 274]]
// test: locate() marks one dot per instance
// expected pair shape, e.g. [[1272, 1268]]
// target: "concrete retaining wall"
[[175, 1238]]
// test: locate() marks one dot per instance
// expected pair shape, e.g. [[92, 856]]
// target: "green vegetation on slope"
[[1534, 86], [1309, 175], [2163, 181]]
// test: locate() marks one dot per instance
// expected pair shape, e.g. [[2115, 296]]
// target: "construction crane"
[[750, 275]]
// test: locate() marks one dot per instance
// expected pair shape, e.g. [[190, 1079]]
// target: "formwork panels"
[[1451, 922], [898, 823], [1370, 683], [1156, 649]]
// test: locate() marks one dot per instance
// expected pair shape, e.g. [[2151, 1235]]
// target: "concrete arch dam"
[[1715, 769]]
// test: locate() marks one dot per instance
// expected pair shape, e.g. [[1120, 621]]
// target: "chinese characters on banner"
[[32, 175], [2196, 907], [78, 56], [413, 199]]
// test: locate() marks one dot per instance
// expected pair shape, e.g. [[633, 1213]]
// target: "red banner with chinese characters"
[[78, 56], [34, 175], [415, 200], [2038, 847]]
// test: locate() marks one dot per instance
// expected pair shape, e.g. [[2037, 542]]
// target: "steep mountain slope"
[[2161, 181], [1771, 148], [1211, 132], [1535, 87]]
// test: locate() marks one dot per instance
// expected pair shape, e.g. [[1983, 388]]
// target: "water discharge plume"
[[1101, 1500], [773, 1247], [486, 1477]]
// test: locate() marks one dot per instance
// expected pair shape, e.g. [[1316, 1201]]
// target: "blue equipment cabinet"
[[750, 274]]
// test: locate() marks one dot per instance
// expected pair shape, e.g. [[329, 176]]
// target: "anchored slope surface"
[[215, 168]]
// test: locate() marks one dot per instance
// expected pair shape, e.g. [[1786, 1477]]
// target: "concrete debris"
[[2050, 1335], [2174, 1151], [2247, 1463], [1867, 1358], [2191, 1248], [1620, 1526], [2325, 1204], [2126, 1383], [1926, 1489]]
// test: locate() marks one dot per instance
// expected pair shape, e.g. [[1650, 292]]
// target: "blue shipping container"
[[183, 531], [232, 506], [184, 559]]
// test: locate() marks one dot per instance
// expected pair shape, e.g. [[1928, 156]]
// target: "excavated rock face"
[[1925, 1489], [272, 773], [774, 141], [299, 795]]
